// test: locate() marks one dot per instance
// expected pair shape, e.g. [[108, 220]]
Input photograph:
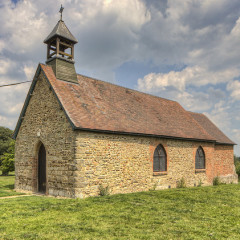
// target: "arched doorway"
[[42, 169]]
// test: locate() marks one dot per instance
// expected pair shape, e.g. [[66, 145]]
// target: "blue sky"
[[187, 50]]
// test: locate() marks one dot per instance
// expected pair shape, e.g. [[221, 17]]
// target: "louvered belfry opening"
[[60, 52], [58, 47]]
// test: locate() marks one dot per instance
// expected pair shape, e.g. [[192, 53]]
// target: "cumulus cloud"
[[234, 87], [22, 26], [29, 71], [108, 33], [196, 75], [2, 45], [5, 121], [5, 65], [220, 116], [195, 33], [236, 137], [224, 117]]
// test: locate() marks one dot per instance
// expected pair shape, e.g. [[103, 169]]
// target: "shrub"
[[154, 187], [103, 191], [216, 181], [181, 183], [200, 183], [237, 167], [238, 170]]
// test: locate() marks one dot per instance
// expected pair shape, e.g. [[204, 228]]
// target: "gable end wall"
[[45, 122]]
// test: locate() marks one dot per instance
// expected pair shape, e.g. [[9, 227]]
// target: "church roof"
[[100, 106], [211, 128], [61, 30]]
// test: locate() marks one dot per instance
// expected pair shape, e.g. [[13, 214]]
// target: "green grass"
[[190, 213], [7, 185]]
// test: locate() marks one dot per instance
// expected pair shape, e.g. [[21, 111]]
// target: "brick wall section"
[[224, 164], [45, 116]]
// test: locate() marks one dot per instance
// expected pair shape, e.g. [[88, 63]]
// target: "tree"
[[8, 160], [5, 140], [237, 165], [6, 150]]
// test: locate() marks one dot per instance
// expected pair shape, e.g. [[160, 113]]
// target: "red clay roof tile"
[[98, 105], [211, 128]]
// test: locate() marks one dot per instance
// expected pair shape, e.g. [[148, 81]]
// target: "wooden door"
[[42, 169]]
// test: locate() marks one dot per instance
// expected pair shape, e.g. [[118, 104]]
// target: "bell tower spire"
[[60, 51]]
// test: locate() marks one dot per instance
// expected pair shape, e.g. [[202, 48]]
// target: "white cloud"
[[194, 101], [29, 71], [234, 87], [2, 45], [11, 101], [236, 137], [132, 14], [7, 122], [22, 26], [236, 29], [108, 32], [5, 65], [153, 82], [195, 76], [219, 115], [223, 115]]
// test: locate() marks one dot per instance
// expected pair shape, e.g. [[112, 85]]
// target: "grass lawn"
[[191, 213], [7, 185]]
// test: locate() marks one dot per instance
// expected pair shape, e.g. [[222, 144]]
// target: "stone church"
[[76, 133]]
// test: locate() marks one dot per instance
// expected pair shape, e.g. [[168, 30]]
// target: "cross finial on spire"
[[61, 11]]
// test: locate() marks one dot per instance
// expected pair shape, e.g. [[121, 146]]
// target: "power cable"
[[14, 84]]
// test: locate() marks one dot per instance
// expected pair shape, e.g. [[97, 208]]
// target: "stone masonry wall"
[[125, 163], [122, 162], [181, 163], [44, 122]]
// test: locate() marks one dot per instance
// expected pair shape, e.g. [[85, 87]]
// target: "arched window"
[[200, 159], [159, 159]]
